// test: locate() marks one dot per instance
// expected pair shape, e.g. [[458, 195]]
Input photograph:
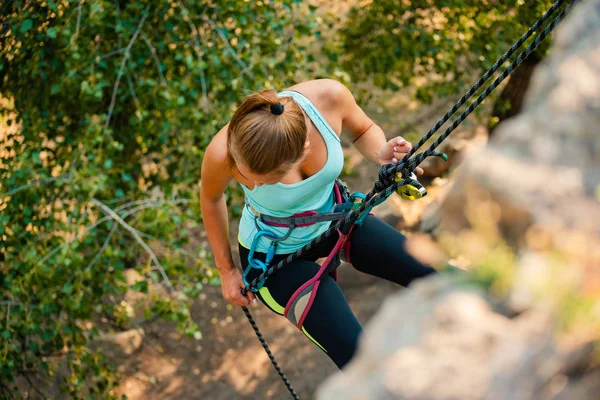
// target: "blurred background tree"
[[438, 48], [107, 109]]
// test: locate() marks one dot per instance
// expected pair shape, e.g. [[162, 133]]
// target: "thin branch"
[[68, 242], [132, 90], [63, 177], [182, 251], [30, 184], [7, 390], [196, 45], [104, 219], [122, 70], [156, 60], [231, 51], [96, 60], [9, 302], [200, 62], [151, 201], [117, 200], [103, 248], [137, 237], [74, 163], [112, 53], [79, 9], [178, 249], [7, 315], [147, 235], [36, 389]]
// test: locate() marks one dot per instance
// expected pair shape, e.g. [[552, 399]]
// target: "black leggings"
[[375, 248]]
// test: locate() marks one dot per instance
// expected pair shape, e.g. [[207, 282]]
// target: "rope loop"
[[386, 177]]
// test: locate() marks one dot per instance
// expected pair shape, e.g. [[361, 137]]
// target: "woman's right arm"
[[215, 176]]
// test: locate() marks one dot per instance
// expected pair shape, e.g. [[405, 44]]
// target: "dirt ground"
[[229, 362]]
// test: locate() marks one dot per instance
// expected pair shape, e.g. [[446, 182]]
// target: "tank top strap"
[[315, 116]]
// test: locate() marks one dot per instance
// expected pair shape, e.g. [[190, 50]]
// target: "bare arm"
[[215, 176], [365, 134]]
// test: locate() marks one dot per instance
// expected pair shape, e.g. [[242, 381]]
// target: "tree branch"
[[9, 302], [79, 9], [122, 69], [96, 59], [200, 62], [103, 248], [42, 394], [156, 60], [7, 315], [7, 390], [132, 90], [30, 184], [144, 204], [179, 250], [231, 51], [151, 201], [137, 237], [112, 53], [196, 45], [66, 177]]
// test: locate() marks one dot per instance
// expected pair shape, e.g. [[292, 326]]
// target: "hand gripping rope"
[[401, 176]]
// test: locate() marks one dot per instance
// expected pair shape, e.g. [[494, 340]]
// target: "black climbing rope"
[[386, 184], [265, 346]]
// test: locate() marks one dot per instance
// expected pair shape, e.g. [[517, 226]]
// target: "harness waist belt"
[[298, 220], [307, 218]]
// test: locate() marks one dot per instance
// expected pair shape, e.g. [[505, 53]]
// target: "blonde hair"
[[263, 136]]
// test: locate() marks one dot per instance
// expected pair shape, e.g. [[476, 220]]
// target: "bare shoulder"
[[216, 151], [215, 168], [325, 94]]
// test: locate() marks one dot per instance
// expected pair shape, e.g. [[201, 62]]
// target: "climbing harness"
[[399, 177], [307, 218], [301, 301]]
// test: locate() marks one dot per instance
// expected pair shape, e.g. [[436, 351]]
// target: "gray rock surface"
[[443, 341]]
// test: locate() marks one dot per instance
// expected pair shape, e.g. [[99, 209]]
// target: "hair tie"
[[277, 109]]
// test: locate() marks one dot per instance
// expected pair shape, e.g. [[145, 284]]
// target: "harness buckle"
[[410, 191]]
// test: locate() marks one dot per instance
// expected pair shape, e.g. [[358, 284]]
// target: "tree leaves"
[[26, 25], [64, 259], [444, 43]]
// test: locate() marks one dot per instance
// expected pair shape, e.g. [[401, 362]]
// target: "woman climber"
[[284, 149]]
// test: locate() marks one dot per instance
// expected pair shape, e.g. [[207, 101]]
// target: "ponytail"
[[266, 133]]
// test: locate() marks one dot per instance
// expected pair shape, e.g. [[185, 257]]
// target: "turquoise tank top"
[[284, 200]]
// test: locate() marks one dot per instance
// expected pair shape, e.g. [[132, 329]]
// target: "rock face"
[[527, 207], [439, 341]]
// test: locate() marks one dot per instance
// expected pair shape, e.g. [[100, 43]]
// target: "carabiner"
[[258, 264]]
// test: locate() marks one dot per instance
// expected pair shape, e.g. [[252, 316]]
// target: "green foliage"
[[439, 46], [114, 105]]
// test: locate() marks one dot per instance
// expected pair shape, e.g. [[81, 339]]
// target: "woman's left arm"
[[365, 134]]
